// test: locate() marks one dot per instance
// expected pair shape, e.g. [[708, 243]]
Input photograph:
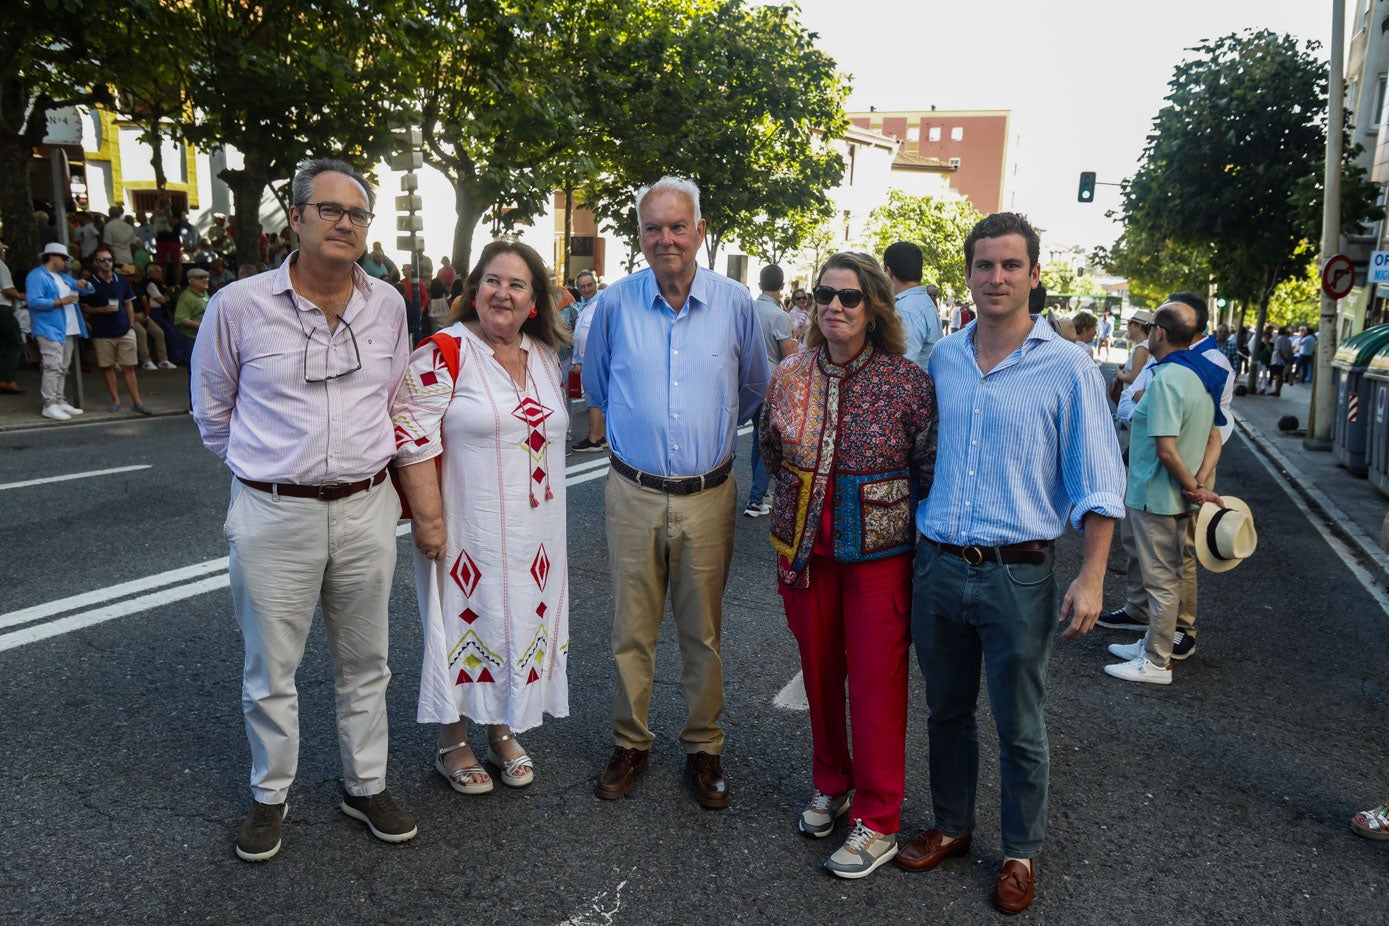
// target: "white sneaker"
[[55, 412], [817, 819], [148, 365], [862, 853], [757, 510], [1127, 651], [1140, 670], [72, 412], [166, 365]]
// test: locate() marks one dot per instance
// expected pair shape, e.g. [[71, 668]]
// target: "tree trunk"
[[1260, 319], [469, 213], [21, 232], [563, 269], [247, 186]]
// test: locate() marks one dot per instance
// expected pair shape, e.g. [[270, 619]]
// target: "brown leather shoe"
[[621, 772], [12, 388], [926, 851], [1016, 886], [705, 774]]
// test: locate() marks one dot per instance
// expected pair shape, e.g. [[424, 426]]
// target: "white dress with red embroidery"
[[495, 609]]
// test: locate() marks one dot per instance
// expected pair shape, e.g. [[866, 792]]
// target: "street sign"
[[409, 183], [1379, 267], [407, 160], [1338, 276], [409, 223], [409, 203], [407, 243]]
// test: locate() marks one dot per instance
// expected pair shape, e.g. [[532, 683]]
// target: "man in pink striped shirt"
[[293, 373]]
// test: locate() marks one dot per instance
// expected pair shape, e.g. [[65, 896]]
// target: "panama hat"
[[1225, 537], [54, 247]]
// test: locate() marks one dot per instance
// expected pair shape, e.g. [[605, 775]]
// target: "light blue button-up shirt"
[[1021, 446], [675, 384], [922, 321]]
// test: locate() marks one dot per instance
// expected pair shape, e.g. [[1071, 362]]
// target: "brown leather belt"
[[674, 485], [1029, 551], [328, 492]]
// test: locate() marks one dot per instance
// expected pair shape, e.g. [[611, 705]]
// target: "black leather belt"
[[1029, 551], [328, 492], [674, 485]]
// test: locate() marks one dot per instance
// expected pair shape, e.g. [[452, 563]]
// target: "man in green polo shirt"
[[1172, 453]]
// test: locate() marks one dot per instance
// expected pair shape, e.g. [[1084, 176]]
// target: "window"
[[954, 162], [934, 134], [1378, 111], [914, 134], [957, 133]]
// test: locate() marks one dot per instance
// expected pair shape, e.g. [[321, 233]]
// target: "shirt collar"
[[281, 282], [908, 292], [699, 289]]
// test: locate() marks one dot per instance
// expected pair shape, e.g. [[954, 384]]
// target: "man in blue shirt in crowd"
[[674, 358], [1025, 443], [903, 261], [110, 311]]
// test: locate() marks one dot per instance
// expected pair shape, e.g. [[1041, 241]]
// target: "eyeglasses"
[[847, 297], [1149, 326], [308, 339], [103, 260], [333, 212], [799, 297]]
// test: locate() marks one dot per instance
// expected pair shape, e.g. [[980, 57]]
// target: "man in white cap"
[[56, 325]]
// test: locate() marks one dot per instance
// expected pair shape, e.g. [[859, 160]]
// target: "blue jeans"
[[760, 477], [1003, 616]]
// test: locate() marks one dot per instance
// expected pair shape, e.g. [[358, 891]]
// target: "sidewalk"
[[1352, 504], [164, 391]]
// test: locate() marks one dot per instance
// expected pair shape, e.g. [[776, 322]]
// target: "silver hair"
[[586, 273], [669, 184], [302, 188]]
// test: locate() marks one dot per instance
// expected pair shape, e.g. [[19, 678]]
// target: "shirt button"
[[675, 415], [975, 442], [676, 353], [971, 472], [966, 504], [675, 382], [976, 411], [674, 446]]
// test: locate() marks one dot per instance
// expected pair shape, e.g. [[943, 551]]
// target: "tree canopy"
[[938, 226]]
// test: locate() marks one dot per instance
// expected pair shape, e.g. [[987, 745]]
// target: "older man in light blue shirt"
[[1025, 446], [903, 262], [675, 359]]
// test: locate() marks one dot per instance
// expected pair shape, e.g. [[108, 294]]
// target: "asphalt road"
[[1222, 798]]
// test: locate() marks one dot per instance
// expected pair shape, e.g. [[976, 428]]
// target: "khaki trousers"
[[149, 335], [56, 358], [287, 555], [683, 543], [1136, 600], [1160, 541]]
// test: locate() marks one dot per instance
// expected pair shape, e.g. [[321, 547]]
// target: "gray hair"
[[670, 184], [302, 188], [586, 273]]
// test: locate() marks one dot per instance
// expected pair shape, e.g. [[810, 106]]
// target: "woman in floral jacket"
[[848, 432]]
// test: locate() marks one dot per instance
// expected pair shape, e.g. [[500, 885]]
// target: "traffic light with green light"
[[1087, 187]]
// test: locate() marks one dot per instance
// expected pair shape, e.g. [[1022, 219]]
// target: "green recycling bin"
[[1355, 395]]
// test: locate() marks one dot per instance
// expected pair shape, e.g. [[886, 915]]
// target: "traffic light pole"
[[1323, 402]]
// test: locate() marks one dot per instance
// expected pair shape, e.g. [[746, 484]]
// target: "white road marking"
[[596, 913], [792, 697], [1337, 546], [198, 578], [96, 472]]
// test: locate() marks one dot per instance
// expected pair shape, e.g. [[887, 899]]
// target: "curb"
[[121, 417], [1332, 516]]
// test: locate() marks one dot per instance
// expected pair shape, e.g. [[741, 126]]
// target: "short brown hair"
[[885, 331]]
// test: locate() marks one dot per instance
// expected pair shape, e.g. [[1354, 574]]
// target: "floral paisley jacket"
[[862, 434]]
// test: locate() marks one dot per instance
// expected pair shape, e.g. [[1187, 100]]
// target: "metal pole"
[[1323, 400], [62, 180]]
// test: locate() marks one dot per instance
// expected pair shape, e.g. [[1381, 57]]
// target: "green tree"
[[739, 100], [282, 82], [820, 243], [53, 54], [775, 239], [938, 226], [1241, 132]]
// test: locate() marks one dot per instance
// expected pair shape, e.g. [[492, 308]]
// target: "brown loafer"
[[926, 851], [705, 774], [1016, 886], [621, 772]]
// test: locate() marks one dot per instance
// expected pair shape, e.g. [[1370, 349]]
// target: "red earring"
[[534, 312]]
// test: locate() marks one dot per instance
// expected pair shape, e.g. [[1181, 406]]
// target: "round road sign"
[[1338, 276]]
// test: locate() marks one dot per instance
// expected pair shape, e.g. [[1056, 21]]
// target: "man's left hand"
[[1081, 606]]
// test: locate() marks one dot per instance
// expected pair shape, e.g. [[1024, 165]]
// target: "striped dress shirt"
[[674, 385], [252, 404], [1022, 446]]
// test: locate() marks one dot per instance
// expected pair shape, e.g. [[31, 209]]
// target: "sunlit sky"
[[1083, 78]]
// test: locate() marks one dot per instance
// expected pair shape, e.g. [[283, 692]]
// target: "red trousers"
[[854, 624]]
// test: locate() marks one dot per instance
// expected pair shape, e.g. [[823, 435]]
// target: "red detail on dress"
[[540, 610], [469, 616], [429, 379], [533, 677], [485, 675], [462, 678], [465, 573], [540, 568], [403, 437], [531, 412], [538, 475], [536, 441]]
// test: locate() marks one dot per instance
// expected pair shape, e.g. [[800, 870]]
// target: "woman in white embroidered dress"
[[491, 567]]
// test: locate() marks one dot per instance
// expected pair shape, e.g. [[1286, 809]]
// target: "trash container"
[[1374, 413], [1354, 393]]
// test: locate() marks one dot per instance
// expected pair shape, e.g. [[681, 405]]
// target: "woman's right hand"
[[430, 536]]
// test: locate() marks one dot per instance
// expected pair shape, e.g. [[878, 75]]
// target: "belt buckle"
[[972, 555], [325, 488]]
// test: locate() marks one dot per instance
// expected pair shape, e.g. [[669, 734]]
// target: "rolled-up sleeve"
[[1091, 465]]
